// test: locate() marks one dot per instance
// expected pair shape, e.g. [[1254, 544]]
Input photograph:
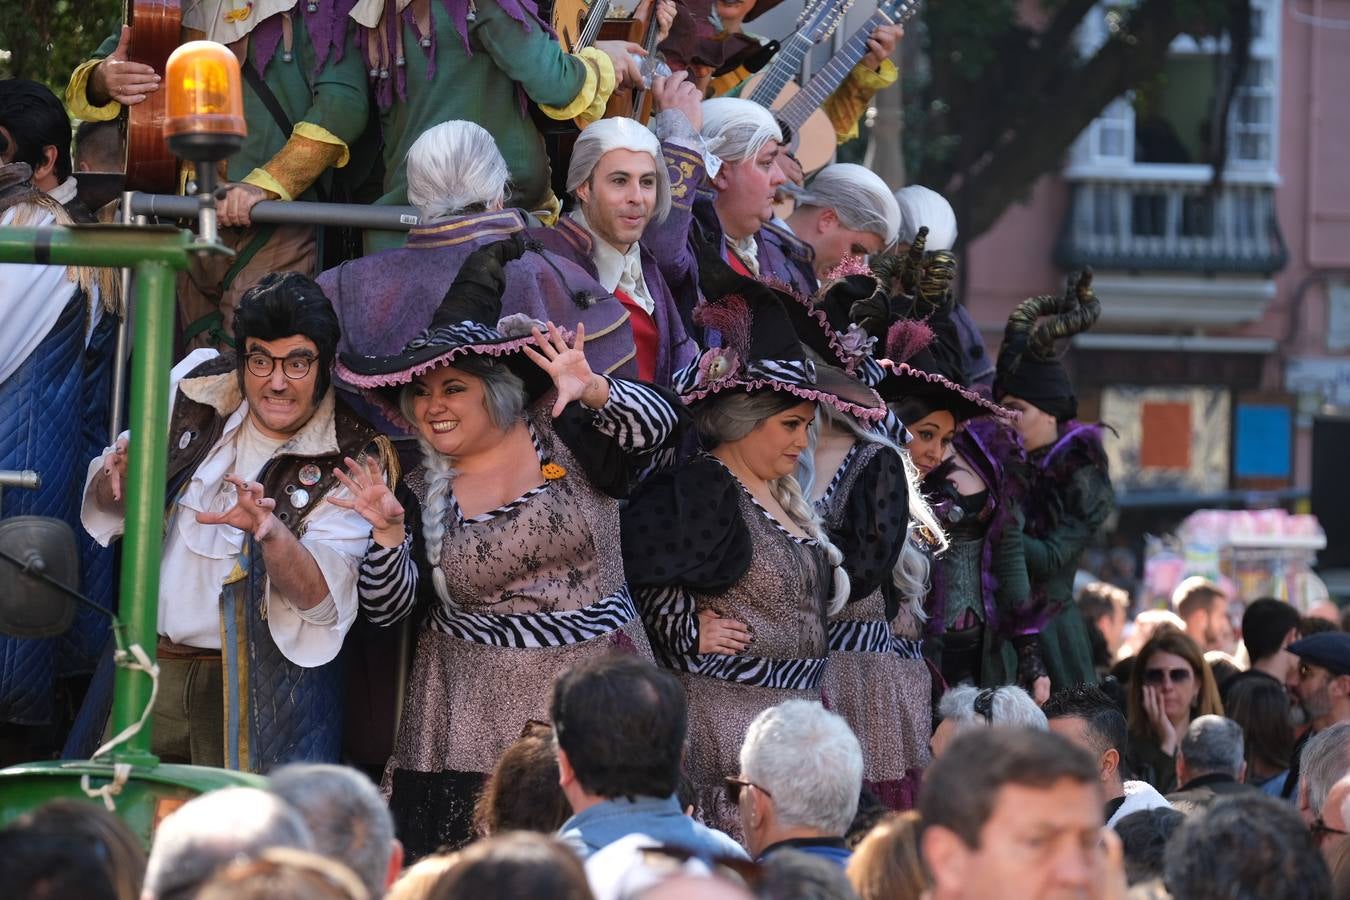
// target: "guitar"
[[578, 22], [817, 21], [578, 25], [799, 107], [156, 31]]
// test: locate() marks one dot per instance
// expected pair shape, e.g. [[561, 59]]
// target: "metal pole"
[[287, 212], [145, 499], [119, 370]]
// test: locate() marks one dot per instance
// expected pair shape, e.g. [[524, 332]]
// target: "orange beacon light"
[[204, 119]]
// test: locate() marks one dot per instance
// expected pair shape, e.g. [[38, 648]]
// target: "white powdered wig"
[[737, 129], [858, 196], [618, 133], [454, 168], [920, 206]]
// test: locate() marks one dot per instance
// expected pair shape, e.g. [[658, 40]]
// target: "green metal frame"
[[155, 254]]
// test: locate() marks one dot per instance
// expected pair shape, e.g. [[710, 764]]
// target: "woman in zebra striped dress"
[[525, 454], [865, 490], [732, 570]]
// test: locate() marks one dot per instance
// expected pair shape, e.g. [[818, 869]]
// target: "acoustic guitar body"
[[815, 141], [156, 31], [568, 18]]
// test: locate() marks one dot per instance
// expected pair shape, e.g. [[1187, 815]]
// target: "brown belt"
[[167, 649]]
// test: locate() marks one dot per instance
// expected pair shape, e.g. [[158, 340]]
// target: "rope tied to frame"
[[137, 660]]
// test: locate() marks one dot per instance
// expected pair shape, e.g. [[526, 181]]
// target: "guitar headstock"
[[821, 17], [899, 11]]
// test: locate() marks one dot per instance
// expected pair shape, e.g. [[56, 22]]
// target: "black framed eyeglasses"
[[1176, 676], [735, 785], [293, 367]]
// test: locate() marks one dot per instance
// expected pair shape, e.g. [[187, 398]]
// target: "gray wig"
[[860, 199], [618, 133], [455, 168], [738, 129]]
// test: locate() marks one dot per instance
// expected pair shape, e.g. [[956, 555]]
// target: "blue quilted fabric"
[[79, 648], [296, 712], [41, 428]]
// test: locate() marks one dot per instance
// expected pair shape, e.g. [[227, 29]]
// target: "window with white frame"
[[1169, 120]]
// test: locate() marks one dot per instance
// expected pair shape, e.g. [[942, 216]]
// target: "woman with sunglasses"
[[1171, 685]]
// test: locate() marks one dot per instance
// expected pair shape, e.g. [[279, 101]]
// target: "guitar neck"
[[824, 83], [787, 62], [595, 17]]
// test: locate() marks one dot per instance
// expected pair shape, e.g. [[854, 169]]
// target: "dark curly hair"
[[284, 304]]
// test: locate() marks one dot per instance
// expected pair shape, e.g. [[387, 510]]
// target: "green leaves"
[[46, 39]]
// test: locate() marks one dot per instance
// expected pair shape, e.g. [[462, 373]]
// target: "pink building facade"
[[1223, 352]]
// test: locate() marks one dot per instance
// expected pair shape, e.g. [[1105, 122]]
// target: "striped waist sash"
[[539, 629], [870, 636]]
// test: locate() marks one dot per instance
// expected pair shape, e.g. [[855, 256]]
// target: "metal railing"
[[1171, 225]]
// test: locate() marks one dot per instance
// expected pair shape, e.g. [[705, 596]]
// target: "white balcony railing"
[[1171, 225]]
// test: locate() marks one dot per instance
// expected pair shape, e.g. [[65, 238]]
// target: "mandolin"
[[642, 28], [156, 31]]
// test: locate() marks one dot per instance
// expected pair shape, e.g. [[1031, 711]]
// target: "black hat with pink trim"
[[760, 351], [917, 373], [466, 323]]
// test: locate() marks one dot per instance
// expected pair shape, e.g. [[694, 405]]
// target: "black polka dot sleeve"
[[873, 529], [682, 532]]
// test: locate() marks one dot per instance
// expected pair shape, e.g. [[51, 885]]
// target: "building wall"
[[1013, 260]]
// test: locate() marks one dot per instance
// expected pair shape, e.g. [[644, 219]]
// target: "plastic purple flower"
[[856, 341]]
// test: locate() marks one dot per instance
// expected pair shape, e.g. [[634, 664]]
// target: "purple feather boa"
[[1079, 445], [990, 447]]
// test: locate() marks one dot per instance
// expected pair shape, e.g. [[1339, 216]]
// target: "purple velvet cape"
[[384, 300], [692, 219], [675, 349]]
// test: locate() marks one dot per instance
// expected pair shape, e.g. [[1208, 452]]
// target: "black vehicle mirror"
[[31, 547]]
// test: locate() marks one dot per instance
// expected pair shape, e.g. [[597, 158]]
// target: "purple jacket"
[[385, 299], [675, 349], [693, 221]]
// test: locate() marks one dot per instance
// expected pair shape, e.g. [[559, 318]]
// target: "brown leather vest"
[[194, 429]]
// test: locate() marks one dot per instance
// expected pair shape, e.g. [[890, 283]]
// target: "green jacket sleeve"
[[1086, 503], [529, 56]]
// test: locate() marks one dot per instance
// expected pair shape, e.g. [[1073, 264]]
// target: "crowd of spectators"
[[1179, 783]]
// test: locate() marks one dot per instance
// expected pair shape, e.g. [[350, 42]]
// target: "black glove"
[[1030, 665]]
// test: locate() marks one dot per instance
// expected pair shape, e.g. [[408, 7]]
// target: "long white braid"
[[914, 567], [911, 572], [789, 495], [439, 475]]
